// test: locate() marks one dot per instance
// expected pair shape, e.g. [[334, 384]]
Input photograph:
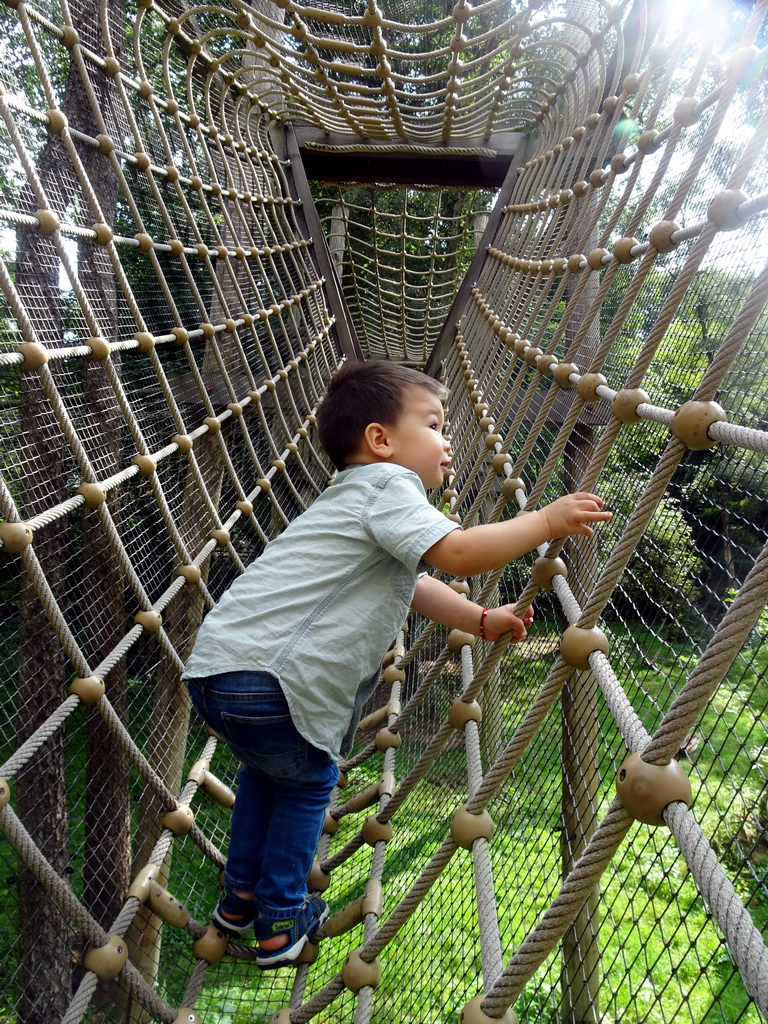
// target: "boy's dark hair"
[[372, 391]]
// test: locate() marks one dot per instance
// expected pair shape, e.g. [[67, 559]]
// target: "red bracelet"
[[483, 613]]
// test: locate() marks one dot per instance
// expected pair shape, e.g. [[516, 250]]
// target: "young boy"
[[285, 660]]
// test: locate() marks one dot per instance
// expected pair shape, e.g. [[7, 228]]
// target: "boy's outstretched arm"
[[440, 603], [482, 548]]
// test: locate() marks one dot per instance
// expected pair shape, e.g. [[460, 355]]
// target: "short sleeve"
[[400, 519]]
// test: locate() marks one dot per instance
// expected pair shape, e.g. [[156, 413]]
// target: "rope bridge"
[[558, 209]]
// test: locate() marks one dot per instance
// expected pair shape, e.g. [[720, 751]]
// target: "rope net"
[[401, 255], [171, 314]]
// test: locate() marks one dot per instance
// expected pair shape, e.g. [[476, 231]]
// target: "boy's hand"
[[505, 619], [573, 513]]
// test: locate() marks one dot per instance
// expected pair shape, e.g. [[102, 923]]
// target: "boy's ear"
[[376, 439]]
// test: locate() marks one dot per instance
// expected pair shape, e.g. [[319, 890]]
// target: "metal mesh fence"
[[170, 319]]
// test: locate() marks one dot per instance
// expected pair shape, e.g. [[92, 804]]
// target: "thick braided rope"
[[125, 742], [373, 945], [752, 954], [518, 744], [295, 491], [732, 631], [744, 939], [39, 738], [681, 731], [195, 983], [378, 857], [136, 983], [425, 686], [81, 1000], [52, 610], [409, 150], [490, 941], [63, 896], [437, 742], [671, 457], [681, 728], [626, 301], [561, 912]]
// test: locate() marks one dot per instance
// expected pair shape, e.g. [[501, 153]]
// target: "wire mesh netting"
[[401, 255], [171, 315]]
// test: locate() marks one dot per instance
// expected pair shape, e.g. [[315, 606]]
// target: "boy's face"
[[417, 440]]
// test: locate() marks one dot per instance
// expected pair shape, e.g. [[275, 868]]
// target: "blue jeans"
[[283, 789]]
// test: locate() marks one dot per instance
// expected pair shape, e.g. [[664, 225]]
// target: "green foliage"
[[759, 634], [662, 958], [664, 572], [723, 502], [713, 521]]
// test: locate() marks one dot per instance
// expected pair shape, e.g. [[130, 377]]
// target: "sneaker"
[[243, 910], [299, 930]]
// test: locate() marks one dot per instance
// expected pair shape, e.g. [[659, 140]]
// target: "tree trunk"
[[44, 935], [46, 938], [107, 815], [580, 974]]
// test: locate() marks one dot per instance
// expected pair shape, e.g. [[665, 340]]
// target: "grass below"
[[661, 957]]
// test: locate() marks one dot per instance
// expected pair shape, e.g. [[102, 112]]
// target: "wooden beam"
[[307, 212], [445, 340], [406, 169], [473, 163]]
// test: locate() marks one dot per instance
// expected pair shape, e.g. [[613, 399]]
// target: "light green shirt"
[[325, 601]]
